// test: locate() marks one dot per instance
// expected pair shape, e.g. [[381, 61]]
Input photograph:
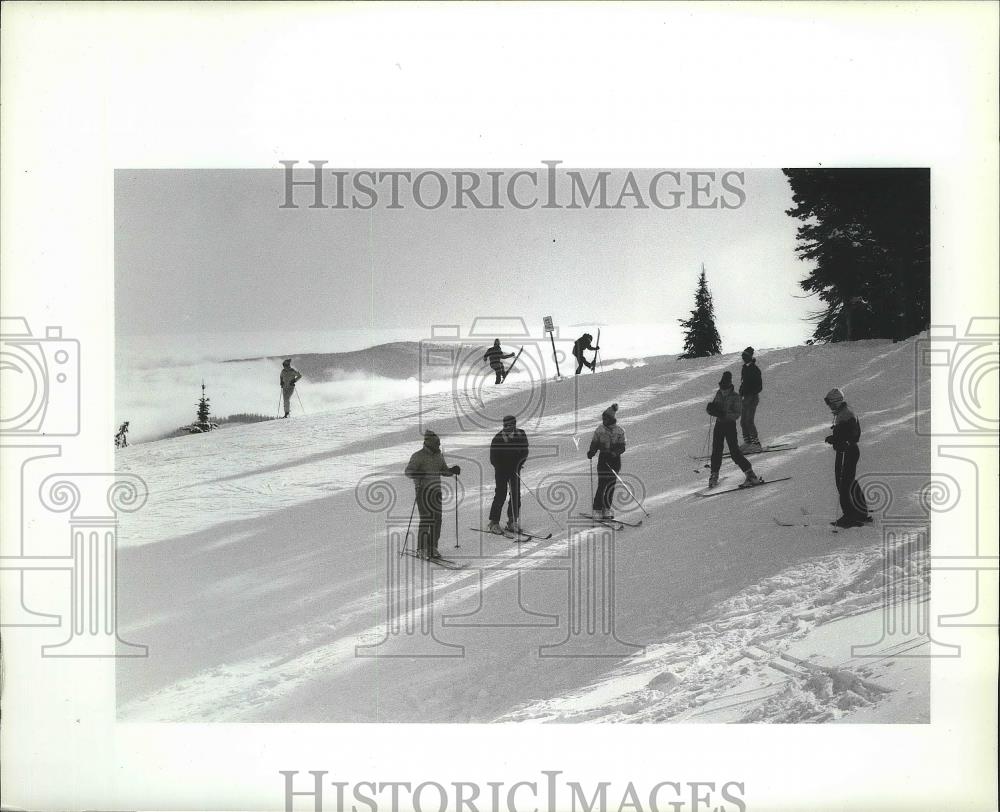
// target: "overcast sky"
[[211, 250]]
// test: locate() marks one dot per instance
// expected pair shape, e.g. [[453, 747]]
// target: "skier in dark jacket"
[[751, 385], [609, 443], [286, 381], [581, 344], [508, 451], [494, 357], [426, 467], [845, 433], [726, 407]]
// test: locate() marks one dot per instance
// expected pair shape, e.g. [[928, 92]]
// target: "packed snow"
[[261, 561]]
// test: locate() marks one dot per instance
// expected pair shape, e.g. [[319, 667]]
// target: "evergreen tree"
[[203, 423], [867, 233], [701, 339]]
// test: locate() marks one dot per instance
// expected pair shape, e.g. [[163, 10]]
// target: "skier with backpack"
[[494, 357], [609, 444], [425, 468], [581, 344], [727, 407], [844, 437], [508, 452], [286, 381], [751, 385]]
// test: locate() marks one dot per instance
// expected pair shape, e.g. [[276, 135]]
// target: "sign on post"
[[550, 329]]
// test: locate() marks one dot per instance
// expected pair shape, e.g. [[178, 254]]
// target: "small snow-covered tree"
[[701, 339], [203, 423]]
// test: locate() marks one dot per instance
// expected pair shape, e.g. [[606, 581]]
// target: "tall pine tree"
[[867, 234], [701, 339]]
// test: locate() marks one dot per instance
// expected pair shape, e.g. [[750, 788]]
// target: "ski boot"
[[751, 480], [608, 514], [513, 527], [494, 527], [713, 479]]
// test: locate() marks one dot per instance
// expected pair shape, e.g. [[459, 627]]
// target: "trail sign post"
[[550, 329]]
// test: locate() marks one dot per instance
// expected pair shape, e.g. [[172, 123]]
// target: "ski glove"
[[829, 439], [455, 470], [590, 455]]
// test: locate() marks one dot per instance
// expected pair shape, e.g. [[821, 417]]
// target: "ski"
[[446, 563], [612, 523], [783, 523], [768, 449], [512, 364], [536, 536], [740, 488], [507, 534]]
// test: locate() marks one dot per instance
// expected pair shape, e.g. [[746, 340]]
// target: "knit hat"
[[834, 397], [509, 418], [727, 380], [609, 413], [430, 438], [287, 362], [748, 351]]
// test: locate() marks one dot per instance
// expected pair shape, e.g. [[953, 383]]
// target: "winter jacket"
[[730, 405], [846, 429], [750, 379], [509, 455], [581, 344], [494, 355], [609, 439], [288, 377], [426, 468]]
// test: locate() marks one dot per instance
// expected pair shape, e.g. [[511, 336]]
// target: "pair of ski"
[[512, 364], [616, 524], [440, 561], [518, 537], [744, 487]]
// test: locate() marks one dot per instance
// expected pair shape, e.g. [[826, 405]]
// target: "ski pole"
[[628, 490], [456, 513], [278, 410], [303, 408], [591, 481], [520, 481], [597, 353], [406, 540]]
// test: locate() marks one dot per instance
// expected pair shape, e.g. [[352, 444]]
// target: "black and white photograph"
[[485, 407]]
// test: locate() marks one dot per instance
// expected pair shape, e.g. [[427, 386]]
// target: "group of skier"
[[509, 451]]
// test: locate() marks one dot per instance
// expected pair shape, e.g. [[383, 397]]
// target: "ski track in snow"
[[219, 496]]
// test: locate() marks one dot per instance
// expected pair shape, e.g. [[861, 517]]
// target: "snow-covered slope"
[[254, 572]]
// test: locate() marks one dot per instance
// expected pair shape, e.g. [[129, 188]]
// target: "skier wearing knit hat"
[[609, 443], [425, 468], [727, 407], [495, 356], [845, 433], [289, 375], [750, 386]]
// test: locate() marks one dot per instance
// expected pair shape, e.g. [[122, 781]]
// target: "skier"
[[846, 432], [121, 438], [494, 356], [750, 386], [727, 409], [425, 468], [508, 451], [609, 442], [286, 381], [581, 344]]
